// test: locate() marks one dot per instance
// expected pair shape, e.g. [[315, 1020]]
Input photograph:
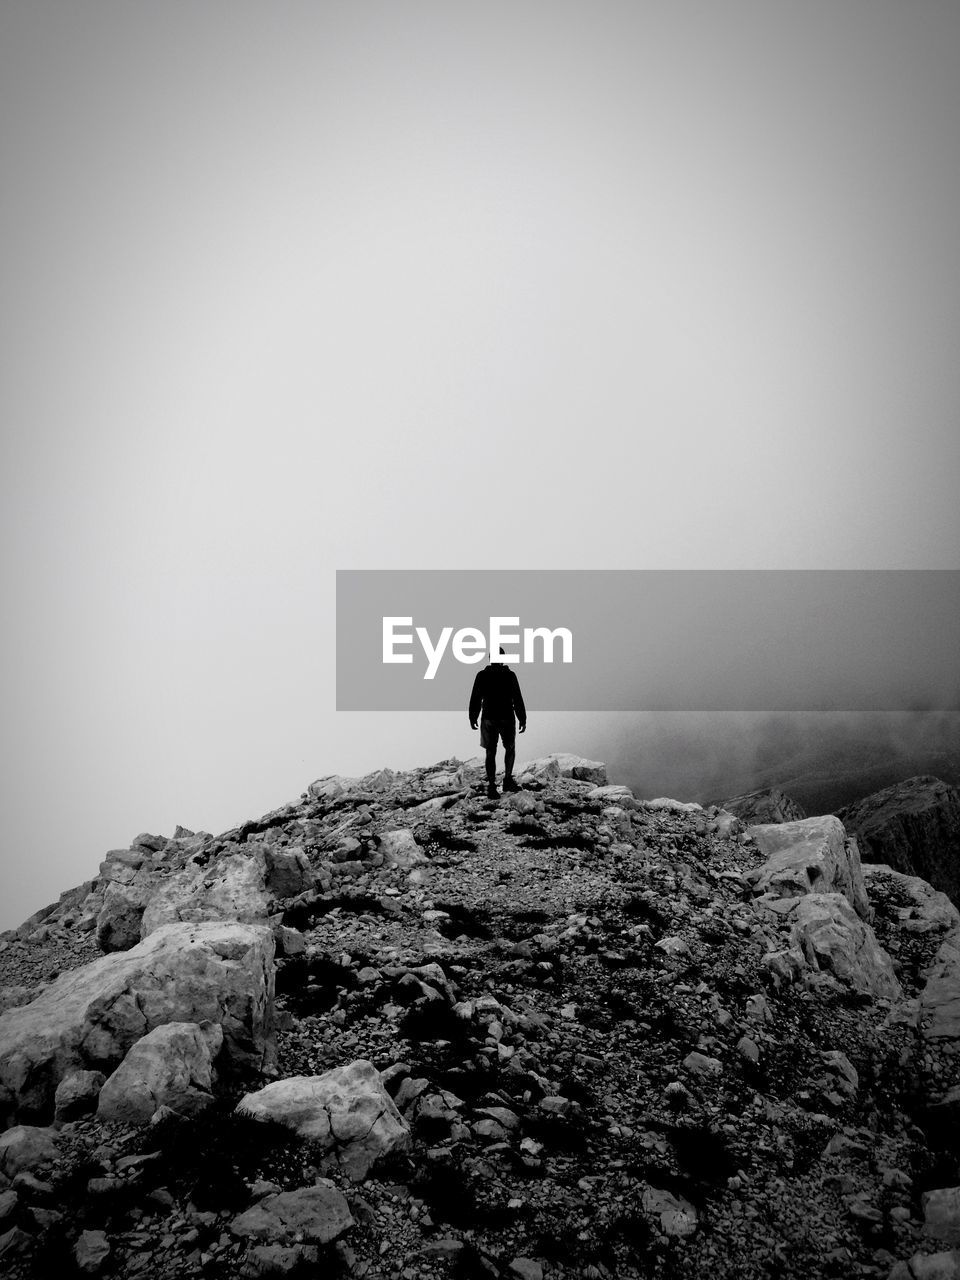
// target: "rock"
[[290, 942], [120, 865], [15, 996], [232, 888], [26, 1148], [913, 827], [15, 1243], [319, 1213], [89, 1017], [940, 997], [766, 806], [698, 1064], [77, 1095], [347, 1110], [155, 844], [810, 856], [832, 937], [91, 1252], [673, 946], [930, 1266], [526, 1269], [8, 1204], [748, 1049], [118, 921], [562, 764], [930, 910], [329, 788], [170, 1066], [614, 793], [287, 873], [400, 849], [727, 825], [664, 804], [941, 1214], [281, 1260], [677, 1216]]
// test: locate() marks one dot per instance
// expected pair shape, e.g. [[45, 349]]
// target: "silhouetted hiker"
[[495, 698]]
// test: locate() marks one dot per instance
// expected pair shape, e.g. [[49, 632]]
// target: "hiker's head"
[[501, 653]]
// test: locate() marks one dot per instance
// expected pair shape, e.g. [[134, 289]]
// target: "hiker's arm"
[[476, 700], [520, 709]]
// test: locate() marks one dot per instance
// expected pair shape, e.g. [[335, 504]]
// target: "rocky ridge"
[[914, 827], [395, 1029]]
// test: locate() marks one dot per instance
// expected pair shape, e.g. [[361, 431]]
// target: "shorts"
[[492, 730]]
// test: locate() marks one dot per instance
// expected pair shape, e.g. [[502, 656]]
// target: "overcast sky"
[[293, 287]]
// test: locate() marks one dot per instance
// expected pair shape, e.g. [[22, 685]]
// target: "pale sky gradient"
[[293, 287]]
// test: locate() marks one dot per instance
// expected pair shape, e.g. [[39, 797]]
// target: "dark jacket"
[[497, 690]]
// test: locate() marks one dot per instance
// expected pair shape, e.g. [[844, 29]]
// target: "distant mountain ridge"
[[913, 827]]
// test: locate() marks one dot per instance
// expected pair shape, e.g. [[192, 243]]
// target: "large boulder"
[[246, 884], [913, 827], [810, 856], [233, 887], [833, 938], [765, 806], [347, 1110], [170, 1066], [221, 971]]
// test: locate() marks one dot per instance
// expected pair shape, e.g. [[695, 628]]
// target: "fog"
[[293, 288]]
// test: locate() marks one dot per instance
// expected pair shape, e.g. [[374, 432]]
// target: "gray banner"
[[656, 640]]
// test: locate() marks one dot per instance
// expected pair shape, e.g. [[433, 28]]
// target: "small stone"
[[672, 946], [698, 1064], [748, 1049], [91, 1251], [526, 1269], [77, 1095]]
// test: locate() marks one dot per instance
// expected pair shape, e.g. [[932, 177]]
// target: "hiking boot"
[[509, 784], [492, 792]]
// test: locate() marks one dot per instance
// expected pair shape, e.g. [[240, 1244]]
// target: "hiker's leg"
[[488, 740], [509, 734]]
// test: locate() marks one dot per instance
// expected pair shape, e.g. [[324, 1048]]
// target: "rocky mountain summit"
[[398, 1030]]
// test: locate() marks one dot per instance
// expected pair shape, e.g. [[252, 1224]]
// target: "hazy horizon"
[[295, 288]]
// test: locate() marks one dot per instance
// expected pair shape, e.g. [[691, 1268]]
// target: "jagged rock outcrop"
[[913, 827], [89, 1017], [813, 855], [765, 806]]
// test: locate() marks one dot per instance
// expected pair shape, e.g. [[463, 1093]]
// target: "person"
[[497, 702]]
